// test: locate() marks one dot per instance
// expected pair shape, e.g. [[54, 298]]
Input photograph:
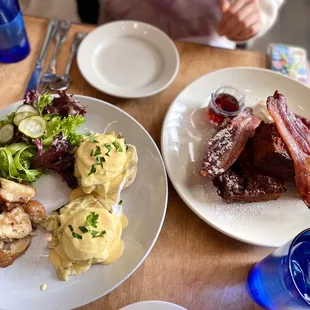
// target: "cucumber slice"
[[33, 126], [22, 115], [26, 108], [6, 133]]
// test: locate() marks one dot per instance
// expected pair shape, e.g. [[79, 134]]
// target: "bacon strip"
[[225, 147], [305, 120], [296, 136]]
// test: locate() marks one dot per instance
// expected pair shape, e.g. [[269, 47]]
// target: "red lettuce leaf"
[[65, 105], [58, 158], [31, 97]]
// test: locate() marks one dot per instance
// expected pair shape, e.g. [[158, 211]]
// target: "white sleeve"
[[269, 13]]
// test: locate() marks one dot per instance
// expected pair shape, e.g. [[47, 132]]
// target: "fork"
[[61, 36]]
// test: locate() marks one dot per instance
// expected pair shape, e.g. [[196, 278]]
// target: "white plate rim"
[[107, 91], [163, 150], [159, 302], [99, 101]]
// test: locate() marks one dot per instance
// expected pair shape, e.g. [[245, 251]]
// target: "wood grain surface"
[[191, 264]]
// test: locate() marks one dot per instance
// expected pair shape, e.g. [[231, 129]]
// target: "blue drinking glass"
[[14, 45], [281, 281]]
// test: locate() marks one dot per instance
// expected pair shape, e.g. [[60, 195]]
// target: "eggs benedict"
[[86, 233], [104, 162], [88, 229]]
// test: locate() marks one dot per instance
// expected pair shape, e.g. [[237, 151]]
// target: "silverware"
[[64, 81], [61, 36], [50, 34]]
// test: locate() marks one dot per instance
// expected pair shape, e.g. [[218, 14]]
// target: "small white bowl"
[[128, 59]]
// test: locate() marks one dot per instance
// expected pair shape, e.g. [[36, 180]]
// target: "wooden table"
[[191, 264]]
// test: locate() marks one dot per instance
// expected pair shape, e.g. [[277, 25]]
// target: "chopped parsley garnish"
[[109, 148], [92, 170], [74, 234], [83, 229], [77, 236], [91, 153], [92, 139], [100, 160], [96, 233], [120, 202], [92, 219], [97, 151], [117, 146]]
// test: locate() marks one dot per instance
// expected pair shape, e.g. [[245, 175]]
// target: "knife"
[[35, 77]]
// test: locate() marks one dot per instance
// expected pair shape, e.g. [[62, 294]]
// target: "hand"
[[241, 19]]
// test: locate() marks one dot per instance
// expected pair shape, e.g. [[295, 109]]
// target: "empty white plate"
[[128, 59], [153, 305]]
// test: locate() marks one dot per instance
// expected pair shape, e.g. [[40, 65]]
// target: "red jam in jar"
[[225, 102]]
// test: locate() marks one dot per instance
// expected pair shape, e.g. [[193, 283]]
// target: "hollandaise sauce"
[[88, 233], [103, 162]]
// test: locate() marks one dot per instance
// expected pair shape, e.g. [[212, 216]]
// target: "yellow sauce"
[[76, 193], [73, 256], [43, 287], [119, 161], [105, 202]]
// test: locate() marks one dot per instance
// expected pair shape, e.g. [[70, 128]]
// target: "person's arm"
[[269, 14], [243, 20]]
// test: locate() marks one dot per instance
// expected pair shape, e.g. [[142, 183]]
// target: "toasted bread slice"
[[13, 250]]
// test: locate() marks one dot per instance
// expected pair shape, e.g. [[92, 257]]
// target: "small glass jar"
[[226, 101]]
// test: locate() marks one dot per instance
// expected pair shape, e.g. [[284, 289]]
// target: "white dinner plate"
[[184, 134], [20, 282], [128, 59], [153, 305]]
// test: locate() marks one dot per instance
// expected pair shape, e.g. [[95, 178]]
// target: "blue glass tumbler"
[[14, 45], [281, 281]]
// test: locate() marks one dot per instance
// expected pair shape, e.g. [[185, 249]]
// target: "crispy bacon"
[[296, 136], [225, 147], [305, 120]]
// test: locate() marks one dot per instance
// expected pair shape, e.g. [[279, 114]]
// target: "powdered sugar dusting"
[[237, 215], [219, 144], [232, 182], [225, 147]]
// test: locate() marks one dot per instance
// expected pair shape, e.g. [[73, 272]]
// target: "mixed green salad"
[[41, 135]]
